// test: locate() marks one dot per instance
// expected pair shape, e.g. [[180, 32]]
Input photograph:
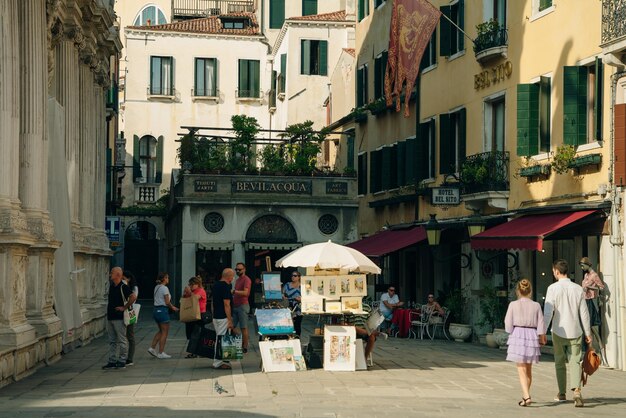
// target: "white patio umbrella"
[[328, 255]]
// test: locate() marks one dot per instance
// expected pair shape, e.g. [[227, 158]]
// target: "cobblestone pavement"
[[409, 378]]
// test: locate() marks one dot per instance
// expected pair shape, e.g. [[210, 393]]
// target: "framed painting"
[[359, 285], [272, 286], [339, 348], [280, 355], [332, 306], [330, 287], [352, 304], [344, 283], [312, 304], [306, 286], [274, 321], [319, 285]]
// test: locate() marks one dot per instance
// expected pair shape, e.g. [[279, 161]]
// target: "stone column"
[[33, 95], [86, 158], [9, 114]]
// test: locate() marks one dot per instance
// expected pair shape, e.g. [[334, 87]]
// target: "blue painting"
[[272, 286], [274, 321]]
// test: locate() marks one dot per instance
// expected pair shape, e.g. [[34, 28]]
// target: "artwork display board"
[[272, 286], [339, 348], [333, 288], [353, 304], [274, 321], [312, 305], [281, 356]]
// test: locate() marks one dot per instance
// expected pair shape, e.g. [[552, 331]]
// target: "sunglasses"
[[295, 275], [238, 269], [392, 290]]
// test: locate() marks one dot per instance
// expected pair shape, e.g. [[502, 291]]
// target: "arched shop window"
[[150, 15]]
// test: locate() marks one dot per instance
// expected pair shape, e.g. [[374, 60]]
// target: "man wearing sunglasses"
[[241, 292], [388, 302]]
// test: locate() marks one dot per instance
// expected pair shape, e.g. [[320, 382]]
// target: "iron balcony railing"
[[484, 172], [161, 91], [491, 39], [248, 94], [613, 20], [197, 8]]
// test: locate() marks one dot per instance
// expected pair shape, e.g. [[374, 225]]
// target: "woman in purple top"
[[524, 322]]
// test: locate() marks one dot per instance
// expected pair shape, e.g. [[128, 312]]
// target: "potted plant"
[[457, 302], [378, 106], [563, 158], [492, 314]]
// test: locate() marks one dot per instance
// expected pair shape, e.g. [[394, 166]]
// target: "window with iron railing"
[[161, 76], [205, 83], [249, 73]]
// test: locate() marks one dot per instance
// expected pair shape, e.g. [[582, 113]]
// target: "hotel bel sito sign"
[[493, 75], [445, 196]]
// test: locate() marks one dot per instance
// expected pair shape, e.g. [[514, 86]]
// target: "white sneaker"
[[163, 355], [152, 352]]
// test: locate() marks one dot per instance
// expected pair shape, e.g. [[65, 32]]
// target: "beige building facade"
[[54, 123], [500, 130]]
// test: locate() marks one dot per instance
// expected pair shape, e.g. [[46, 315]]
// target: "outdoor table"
[[402, 319]]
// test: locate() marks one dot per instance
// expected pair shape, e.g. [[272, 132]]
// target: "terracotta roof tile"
[[350, 51], [339, 16], [208, 25]]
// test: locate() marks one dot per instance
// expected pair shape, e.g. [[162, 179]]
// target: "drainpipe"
[[616, 337]]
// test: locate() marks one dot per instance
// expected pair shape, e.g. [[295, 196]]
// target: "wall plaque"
[[336, 187], [445, 196], [204, 186], [272, 186]]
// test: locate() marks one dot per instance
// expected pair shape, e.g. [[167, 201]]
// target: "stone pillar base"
[[17, 335]]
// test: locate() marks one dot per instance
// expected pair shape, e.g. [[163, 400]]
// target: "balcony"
[[491, 42], [162, 92], [146, 193], [205, 94], [484, 180], [193, 9], [613, 32]]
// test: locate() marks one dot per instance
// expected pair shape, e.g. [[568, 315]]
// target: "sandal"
[[190, 355], [525, 402], [224, 366]]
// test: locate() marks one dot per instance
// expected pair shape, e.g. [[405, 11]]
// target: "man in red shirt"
[[240, 302]]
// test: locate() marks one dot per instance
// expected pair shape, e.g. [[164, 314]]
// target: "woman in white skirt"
[[524, 322]]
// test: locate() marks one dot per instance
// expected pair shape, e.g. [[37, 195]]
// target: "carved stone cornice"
[[75, 34], [12, 222]]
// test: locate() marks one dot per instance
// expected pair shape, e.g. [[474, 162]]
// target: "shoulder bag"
[[130, 318]]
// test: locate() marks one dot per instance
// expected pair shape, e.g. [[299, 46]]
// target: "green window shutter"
[[597, 105], [445, 32], [350, 151], [393, 172], [383, 69], [445, 153], [359, 87], [574, 105], [198, 83], [108, 175], [545, 115], [401, 164], [255, 70], [136, 165], [375, 171], [431, 141], [243, 78], [461, 25], [159, 160], [386, 168], [277, 13], [462, 126], [527, 119], [309, 7], [283, 72], [305, 56], [362, 174], [323, 58], [544, 4], [411, 160], [364, 9], [377, 77], [422, 152], [272, 98]]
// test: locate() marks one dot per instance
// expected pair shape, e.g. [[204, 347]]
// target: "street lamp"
[[475, 225], [433, 235]]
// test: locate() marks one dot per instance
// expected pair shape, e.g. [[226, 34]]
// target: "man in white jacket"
[[565, 307]]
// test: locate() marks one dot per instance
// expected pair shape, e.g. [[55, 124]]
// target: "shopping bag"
[[231, 347], [136, 308], [203, 342], [189, 309], [130, 318]]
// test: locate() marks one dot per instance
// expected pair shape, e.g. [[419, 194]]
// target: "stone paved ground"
[[409, 378]]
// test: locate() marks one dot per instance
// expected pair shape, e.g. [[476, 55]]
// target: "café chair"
[[419, 320], [441, 324]]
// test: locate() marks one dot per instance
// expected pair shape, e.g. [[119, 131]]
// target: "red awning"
[[386, 242], [526, 232]]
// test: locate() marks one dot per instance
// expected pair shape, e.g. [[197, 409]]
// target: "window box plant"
[[378, 106], [585, 160], [359, 115], [563, 158], [535, 170]]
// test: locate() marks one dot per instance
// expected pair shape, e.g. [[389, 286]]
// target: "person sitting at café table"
[[389, 302], [433, 309]]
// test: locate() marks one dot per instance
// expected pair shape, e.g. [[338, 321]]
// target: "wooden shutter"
[[411, 160], [375, 161], [597, 105], [277, 13], [159, 160], [360, 76], [574, 105], [350, 150], [362, 174], [445, 32], [243, 78], [136, 164], [461, 23], [545, 113], [445, 153], [462, 127], [272, 98], [309, 7], [386, 168], [283, 72], [305, 56], [323, 57], [401, 163], [527, 119], [255, 74], [422, 152]]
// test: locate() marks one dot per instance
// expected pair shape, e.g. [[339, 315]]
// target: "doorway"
[[141, 255]]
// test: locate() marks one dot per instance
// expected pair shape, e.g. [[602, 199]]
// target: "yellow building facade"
[[512, 126]]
